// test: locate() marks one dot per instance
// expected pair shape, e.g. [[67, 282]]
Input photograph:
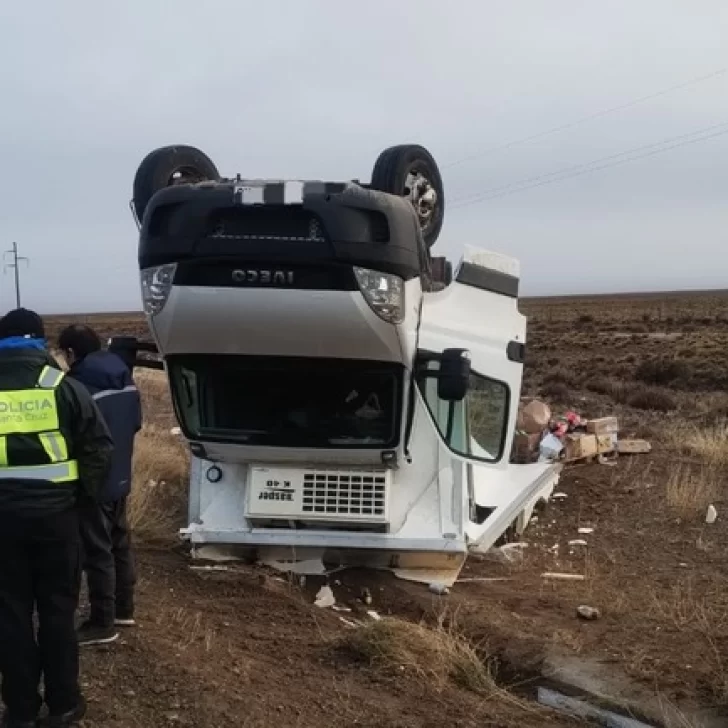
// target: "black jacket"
[[81, 423], [110, 383]]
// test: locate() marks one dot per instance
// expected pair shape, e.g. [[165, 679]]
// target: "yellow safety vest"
[[35, 412]]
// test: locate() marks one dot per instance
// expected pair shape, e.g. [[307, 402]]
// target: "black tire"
[[158, 170], [390, 174]]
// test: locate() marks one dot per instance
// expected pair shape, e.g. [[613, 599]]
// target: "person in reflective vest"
[[55, 452]]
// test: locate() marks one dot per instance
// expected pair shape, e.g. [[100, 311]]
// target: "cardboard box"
[[606, 444], [525, 447], [580, 446], [603, 426], [534, 417]]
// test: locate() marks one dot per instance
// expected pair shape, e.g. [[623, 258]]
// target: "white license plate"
[[274, 491]]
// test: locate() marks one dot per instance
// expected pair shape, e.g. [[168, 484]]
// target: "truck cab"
[[347, 400]]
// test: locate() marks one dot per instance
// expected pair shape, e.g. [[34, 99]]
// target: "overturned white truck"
[[347, 399]]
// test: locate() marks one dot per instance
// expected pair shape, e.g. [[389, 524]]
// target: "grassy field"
[[244, 648]]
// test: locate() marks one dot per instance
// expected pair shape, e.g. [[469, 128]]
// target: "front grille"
[[360, 495]]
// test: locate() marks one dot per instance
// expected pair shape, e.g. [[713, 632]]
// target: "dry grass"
[[690, 490], [652, 399], [704, 614], [158, 495], [708, 444], [437, 656], [161, 466]]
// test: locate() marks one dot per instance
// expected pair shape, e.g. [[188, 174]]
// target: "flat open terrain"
[[247, 648]]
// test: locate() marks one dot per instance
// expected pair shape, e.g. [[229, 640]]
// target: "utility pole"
[[14, 263]]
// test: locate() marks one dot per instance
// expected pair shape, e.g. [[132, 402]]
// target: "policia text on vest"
[[34, 413]]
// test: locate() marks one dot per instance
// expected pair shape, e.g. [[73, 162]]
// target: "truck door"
[[479, 312]]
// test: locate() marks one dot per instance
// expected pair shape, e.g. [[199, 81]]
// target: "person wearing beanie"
[[55, 453]]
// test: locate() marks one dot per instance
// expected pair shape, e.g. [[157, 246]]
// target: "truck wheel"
[[409, 170], [166, 166]]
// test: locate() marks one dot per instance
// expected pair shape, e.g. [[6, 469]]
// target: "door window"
[[476, 426]]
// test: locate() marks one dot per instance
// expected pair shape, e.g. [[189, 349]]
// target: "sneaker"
[[68, 719], [90, 633]]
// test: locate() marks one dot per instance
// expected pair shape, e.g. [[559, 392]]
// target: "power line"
[[594, 169], [15, 265], [564, 170], [584, 119]]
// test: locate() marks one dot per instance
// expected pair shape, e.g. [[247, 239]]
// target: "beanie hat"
[[21, 322]]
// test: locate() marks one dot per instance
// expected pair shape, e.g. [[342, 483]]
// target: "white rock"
[[439, 589], [711, 515], [586, 612], [585, 530], [578, 542], [325, 597], [559, 496], [175, 431]]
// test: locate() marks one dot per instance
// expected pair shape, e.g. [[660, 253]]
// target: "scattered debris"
[[564, 577], [338, 608], [175, 431], [588, 613], [581, 709], [525, 445], [578, 542], [580, 446], [439, 589], [366, 596], [633, 447], [550, 448], [559, 496], [215, 567], [349, 623], [374, 615], [534, 418], [570, 438], [711, 515], [584, 530], [325, 597]]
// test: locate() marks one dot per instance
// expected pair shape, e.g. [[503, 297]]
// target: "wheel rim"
[[422, 194], [185, 176]]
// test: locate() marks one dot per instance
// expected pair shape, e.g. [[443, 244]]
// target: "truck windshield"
[[287, 401]]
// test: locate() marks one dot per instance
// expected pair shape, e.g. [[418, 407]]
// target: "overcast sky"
[[316, 88]]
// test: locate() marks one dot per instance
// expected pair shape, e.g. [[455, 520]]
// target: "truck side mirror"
[[454, 376]]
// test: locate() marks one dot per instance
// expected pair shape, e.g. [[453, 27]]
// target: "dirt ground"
[[246, 648]]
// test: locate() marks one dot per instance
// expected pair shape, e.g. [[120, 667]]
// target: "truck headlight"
[[383, 292], [156, 287]]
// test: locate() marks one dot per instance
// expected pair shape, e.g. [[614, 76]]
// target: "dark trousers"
[[40, 568], [108, 561]]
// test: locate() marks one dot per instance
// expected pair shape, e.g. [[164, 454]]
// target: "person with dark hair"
[[55, 451], [108, 559]]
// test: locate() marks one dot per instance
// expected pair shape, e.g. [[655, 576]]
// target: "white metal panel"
[[284, 322]]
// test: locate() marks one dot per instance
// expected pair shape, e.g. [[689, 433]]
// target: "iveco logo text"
[[263, 277]]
